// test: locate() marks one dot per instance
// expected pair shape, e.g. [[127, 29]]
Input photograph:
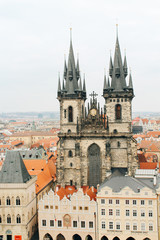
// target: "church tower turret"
[[118, 96], [72, 96]]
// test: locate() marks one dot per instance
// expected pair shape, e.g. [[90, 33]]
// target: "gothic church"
[[95, 142]]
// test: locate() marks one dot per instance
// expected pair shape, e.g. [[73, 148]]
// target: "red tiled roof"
[[148, 165]]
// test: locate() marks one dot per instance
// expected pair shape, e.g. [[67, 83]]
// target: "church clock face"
[[93, 112]]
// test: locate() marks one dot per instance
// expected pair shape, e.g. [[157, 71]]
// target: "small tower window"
[[70, 114], [70, 154], [82, 111], [118, 144], [71, 165], [71, 182], [65, 111], [118, 109], [69, 130], [0, 219]]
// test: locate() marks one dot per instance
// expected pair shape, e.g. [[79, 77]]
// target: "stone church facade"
[[94, 142]]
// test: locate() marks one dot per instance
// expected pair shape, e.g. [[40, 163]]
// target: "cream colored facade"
[[69, 216], [30, 138], [22, 213], [127, 214]]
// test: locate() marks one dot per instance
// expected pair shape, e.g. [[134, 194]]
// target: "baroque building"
[[94, 142]]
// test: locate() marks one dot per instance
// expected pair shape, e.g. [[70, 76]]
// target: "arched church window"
[[70, 154], [69, 130], [118, 110], [71, 164], [70, 114], [65, 111]]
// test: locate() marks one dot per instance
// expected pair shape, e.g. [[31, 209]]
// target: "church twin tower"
[[94, 142]]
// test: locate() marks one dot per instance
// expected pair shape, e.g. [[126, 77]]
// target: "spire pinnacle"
[[70, 34], [59, 83], [117, 30], [84, 84], [105, 82], [130, 81]]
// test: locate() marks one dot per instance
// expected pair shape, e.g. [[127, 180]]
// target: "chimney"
[[154, 180]]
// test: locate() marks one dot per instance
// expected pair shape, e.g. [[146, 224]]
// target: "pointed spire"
[[125, 69], [105, 83], [65, 68], [77, 68], [84, 84], [118, 78], [108, 83], [80, 85], [59, 83], [110, 66], [130, 81]]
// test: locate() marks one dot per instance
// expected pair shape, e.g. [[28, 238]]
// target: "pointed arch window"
[[70, 114], [8, 218], [118, 111], [8, 201], [18, 202], [18, 219]]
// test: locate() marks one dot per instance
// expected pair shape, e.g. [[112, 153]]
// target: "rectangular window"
[[118, 227], [80, 208], [117, 212], [90, 224], [150, 214], [150, 227], [143, 227], [134, 202], [74, 207], [134, 213], [102, 201], [134, 226], [110, 225], [102, 211], [75, 224], [1, 237], [127, 212], [127, 202], [51, 223], [85, 208], [142, 202], [142, 213], [82, 224], [110, 201], [103, 224], [150, 202], [59, 223], [110, 212], [117, 201], [56, 207], [43, 222], [127, 226]]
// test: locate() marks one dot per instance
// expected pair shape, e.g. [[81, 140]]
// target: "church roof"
[[14, 170]]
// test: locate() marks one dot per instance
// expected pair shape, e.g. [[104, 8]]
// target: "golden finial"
[[70, 34]]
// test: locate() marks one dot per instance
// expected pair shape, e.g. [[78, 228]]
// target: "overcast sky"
[[34, 36]]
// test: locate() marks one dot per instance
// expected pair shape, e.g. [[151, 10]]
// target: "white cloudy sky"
[[34, 35]]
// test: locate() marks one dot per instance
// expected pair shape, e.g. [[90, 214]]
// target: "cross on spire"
[[93, 95]]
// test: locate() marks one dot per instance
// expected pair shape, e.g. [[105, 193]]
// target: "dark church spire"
[[71, 88]]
